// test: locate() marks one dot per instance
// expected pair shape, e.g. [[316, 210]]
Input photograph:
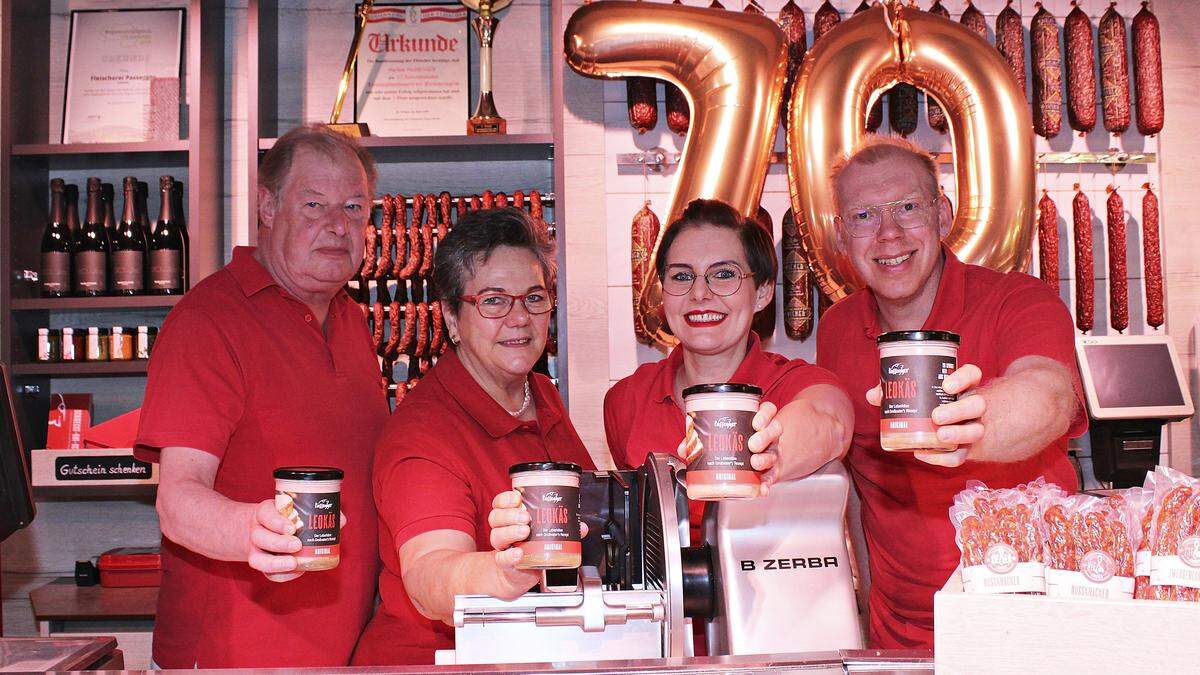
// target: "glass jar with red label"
[[550, 493], [912, 366], [310, 497], [718, 423]]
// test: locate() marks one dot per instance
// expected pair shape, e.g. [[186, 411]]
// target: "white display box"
[[979, 634]]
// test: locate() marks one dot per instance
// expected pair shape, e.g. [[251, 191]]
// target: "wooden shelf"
[[62, 600], [97, 304], [49, 149], [441, 142], [82, 368]]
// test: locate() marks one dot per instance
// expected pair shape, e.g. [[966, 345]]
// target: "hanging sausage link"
[[1147, 71], [1047, 73], [1085, 277], [1118, 283], [1114, 71], [1081, 70], [1048, 240], [1152, 260], [1010, 41]]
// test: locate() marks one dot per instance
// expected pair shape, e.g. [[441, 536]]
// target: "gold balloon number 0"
[[731, 67]]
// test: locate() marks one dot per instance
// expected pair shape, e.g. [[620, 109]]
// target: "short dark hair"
[[275, 165], [757, 243], [471, 242]]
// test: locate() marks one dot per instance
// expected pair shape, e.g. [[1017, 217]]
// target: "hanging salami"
[[934, 112], [1147, 71], [1010, 40], [797, 283], [902, 108], [643, 237], [1047, 73], [764, 321], [1118, 282], [1080, 44], [1114, 71], [386, 233], [1085, 276], [791, 22], [825, 20], [1152, 260], [1048, 240], [973, 19], [641, 97]]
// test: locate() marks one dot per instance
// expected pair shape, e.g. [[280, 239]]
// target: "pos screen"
[[16, 498], [1136, 376]]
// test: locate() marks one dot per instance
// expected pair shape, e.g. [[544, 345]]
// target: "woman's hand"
[[763, 444], [509, 520]]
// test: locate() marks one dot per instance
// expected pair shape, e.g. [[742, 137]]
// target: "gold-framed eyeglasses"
[[723, 279], [496, 305], [864, 221]]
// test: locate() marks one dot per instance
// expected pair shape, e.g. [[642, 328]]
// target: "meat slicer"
[[772, 576]]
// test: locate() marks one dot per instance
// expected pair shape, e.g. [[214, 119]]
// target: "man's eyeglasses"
[[498, 305], [723, 279], [909, 213]]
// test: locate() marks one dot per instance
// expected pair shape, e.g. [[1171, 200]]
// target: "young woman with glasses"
[[717, 269], [441, 465]]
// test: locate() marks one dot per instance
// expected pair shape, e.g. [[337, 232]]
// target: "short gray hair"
[[275, 165], [471, 242]]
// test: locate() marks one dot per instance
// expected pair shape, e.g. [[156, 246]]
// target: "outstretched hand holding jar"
[[1010, 418]]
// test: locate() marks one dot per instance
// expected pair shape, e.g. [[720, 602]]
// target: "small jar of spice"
[[121, 347]]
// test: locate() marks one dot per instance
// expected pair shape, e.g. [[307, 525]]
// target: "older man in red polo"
[[267, 363]]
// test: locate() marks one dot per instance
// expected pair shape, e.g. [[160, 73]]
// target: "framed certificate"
[[123, 74], [412, 76]]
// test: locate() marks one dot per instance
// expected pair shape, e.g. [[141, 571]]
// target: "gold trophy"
[[486, 120], [351, 128]]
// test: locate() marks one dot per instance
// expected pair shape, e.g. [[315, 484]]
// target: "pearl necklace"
[[524, 404]]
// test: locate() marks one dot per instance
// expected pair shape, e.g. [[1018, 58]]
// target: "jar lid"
[[93, 330], [544, 466], [722, 388], [118, 329], [308, 473], [43, 331], [918, 336], [68, 330], [143, 329]]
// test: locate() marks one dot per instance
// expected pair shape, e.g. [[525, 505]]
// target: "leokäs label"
[[912, 388], [553, 519], [317, 517], [716, 446]]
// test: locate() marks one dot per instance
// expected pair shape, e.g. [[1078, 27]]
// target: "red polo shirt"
[[1001, 318], [442, 458], [641, 415], [242, 370]]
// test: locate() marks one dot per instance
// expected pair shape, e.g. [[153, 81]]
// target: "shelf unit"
[[285, 88], [30, 159]]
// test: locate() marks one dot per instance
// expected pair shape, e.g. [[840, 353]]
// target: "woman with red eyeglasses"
[[442, 461]]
